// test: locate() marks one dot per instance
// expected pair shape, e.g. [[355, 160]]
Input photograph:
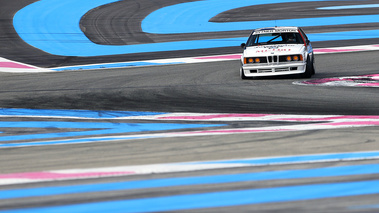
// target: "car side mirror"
[[243, 45], [308, 42]]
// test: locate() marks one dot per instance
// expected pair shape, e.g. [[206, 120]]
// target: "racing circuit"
[[138, 106]]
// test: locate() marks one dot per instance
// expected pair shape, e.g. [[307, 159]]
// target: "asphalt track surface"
[[199, 88], [209, 87]]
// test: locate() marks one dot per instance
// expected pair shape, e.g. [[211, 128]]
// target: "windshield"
[[275, 38]]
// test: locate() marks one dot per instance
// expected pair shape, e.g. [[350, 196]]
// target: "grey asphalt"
[[207, 87]]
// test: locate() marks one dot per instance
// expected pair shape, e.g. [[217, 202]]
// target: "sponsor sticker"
[[286, 30], [273, 50]]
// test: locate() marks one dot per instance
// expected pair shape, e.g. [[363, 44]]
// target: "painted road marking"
[[17, 178], [67, 39], [351, 81], [156, 62], [193, 17], [365, 207], [14, 65], [7, 65], [118, 65], [19, 67], [87, 129], [362, 6], [65, 113], [121, 129], [229, 198], [188, 181], [204, 59], [220, 199]]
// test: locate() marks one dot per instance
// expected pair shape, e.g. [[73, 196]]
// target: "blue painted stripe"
[[186, 181], [73, 141], [193, 17], [67, 39], [190, 45], [220, 199], [113, 65], [362, 6], [86, 128], [101, 114], [91, 128], [348, 35], [365, 207]]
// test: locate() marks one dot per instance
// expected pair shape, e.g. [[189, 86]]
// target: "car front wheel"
[[309, 69], [242, 74]]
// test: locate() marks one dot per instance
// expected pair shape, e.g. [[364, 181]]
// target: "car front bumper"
[[273, 69]]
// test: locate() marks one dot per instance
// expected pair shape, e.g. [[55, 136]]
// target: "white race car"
[[277, 51]]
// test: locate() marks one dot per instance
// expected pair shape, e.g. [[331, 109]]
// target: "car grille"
[[283, 69]]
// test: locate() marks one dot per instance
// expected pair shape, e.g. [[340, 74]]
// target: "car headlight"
[[252, 60], [289, 58]]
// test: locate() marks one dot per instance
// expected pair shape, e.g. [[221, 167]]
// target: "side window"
[[292, 38], [299, 39], [303, 34], [251, 41]]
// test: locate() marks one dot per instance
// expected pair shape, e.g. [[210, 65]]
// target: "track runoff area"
[[14, 191]]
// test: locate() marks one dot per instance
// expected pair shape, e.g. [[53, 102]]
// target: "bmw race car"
[[277, 51]]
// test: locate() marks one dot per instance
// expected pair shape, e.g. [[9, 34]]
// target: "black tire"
[[242, 74], [313, 64], [309, 69]]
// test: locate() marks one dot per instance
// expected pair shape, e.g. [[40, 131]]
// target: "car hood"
[[279, 49]]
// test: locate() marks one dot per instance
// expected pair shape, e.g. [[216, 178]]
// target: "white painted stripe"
[[26, 68], [348, 81], [215, 58], [306, 122], [362, 6], [360, 48], [72, 174], [10, 66]]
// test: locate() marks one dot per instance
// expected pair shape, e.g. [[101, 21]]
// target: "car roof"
[[275, 30]]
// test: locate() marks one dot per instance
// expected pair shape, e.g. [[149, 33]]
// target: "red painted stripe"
[[230, 131], [335, 118], [208, 117], [337, 50], [237, 56], [14, 65]]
